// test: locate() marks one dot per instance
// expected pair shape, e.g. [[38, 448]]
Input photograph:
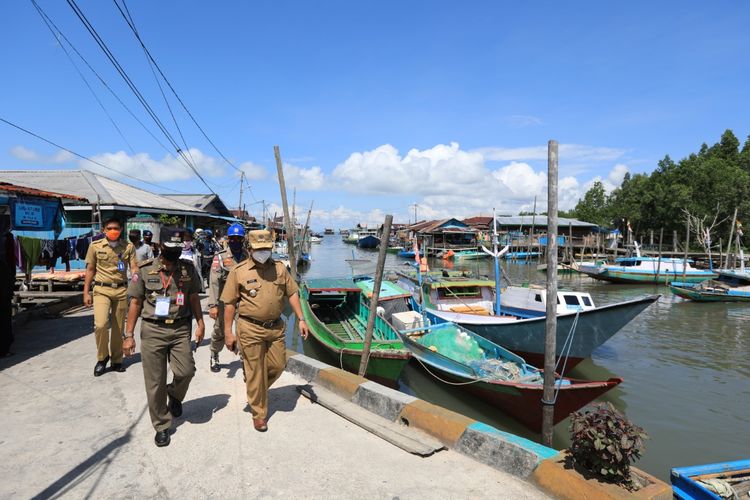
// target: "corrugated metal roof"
[[540, 220], [94, 187], [12, 188]]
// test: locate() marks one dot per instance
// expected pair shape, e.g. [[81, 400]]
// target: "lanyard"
[[166, 285]]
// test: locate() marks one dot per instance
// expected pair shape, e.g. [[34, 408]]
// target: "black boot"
[[215, 362], [101, 367], [162, 438]]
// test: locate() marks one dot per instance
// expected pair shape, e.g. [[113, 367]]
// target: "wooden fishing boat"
[[465, 255], [643, 270], [336, 311], [495, 375], [368, 238], [409, 254], [729, 286], [351, 237], [520, 324], [712, 481]]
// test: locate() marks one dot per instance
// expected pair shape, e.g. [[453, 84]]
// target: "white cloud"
[[304, 179], [577, 153], [169, 168], [253, 171], [28, 155]]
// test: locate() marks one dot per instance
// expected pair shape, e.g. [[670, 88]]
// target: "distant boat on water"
[[328, 231], [368, 238], [729, 286], [646, 270]]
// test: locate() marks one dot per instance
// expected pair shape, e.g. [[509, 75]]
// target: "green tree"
[[594, 207]]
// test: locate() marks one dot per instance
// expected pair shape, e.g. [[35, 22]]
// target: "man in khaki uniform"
[[107, 262], [165, 292], [224, 261], [257, 287]]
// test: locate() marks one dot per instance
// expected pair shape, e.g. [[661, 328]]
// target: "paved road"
[[67, 434]]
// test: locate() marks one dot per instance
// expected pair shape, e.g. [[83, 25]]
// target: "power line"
[[84, 157], [98, 76], [103, 46], [166, 80], [86, 82]]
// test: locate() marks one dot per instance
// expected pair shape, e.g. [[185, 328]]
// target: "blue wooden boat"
[[641, 270], [701, 482], [521, 325], [729, 286], [409, 254], [496, 375], [522, 255]]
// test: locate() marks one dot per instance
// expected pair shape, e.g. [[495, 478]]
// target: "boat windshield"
[[464, 292]]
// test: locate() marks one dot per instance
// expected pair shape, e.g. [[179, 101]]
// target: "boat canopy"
[[332, 285], [460, 284], [388, 289]]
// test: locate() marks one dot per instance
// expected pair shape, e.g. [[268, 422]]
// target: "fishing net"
[[498, 369]]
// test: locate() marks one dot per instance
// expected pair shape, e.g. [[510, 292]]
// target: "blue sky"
[[379, 105]]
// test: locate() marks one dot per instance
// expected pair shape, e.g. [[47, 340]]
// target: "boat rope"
[[484, 379], [565, 354]]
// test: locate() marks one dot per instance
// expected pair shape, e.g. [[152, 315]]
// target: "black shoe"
[[101, 367], [118, 367], [215, 362], [175, 406], [162, 438]]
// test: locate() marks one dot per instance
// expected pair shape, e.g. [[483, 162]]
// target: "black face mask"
[[134, 240], [171, 254]]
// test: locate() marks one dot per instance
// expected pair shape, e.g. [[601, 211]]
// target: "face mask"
[[134, 240], [171, 254], [235, 246], [113, 234], [261, 256], [188, 245]]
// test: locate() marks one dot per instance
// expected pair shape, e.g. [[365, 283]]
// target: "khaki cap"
[[260, 239]]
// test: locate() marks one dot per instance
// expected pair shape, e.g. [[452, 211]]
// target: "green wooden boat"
[[336, 311]]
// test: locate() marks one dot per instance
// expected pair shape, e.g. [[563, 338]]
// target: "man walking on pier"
[[257, 288], [165, 293], [107, 263], [224, 261]]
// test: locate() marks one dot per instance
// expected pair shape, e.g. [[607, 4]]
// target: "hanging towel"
[[32, 251], [72, 248], [20, 260], [82, 247]]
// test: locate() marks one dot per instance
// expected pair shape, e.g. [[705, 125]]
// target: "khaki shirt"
[[103, 259], [224, 262], [149, 285], [260, 289]]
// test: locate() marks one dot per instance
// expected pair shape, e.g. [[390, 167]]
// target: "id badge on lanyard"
[[162, 306], [120, 263]]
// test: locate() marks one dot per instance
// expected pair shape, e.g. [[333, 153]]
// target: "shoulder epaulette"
[[145, 263]]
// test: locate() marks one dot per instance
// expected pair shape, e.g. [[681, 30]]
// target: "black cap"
[[172, 237], [146, 232]]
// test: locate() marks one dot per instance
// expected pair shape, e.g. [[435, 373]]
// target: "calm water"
[[686, 366]]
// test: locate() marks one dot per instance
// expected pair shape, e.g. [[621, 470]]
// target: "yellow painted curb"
[[343, 383], [445, 425], [561, 482]]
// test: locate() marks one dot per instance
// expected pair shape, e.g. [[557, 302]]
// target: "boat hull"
[[705, 296], [368, 242], [685, 485], [624, 277], [522, 401], [525, 337]]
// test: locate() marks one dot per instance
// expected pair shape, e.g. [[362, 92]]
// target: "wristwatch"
[[127, 336]]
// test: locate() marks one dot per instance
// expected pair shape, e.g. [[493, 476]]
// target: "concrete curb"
[[483, 443], [476, 440]]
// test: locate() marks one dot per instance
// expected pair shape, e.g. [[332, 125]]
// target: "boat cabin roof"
[[651, 259], [388, 289], [332, 285]]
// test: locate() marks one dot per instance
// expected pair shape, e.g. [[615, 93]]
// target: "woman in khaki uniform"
[[107, 262], [257, 288]]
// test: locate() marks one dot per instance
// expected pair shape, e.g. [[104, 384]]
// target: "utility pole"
[[289, 237], [374, 300], [550, 339], [242, 184], [415, 212]]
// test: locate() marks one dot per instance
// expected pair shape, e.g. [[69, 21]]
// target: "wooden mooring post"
[[550, 347], [687, 248], [382, 252]]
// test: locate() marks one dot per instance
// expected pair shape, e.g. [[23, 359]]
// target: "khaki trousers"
[[217, 337], [161, 344], [264, 359], [110, 306]]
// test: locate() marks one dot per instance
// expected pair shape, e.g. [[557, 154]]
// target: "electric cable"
[[14, 125]]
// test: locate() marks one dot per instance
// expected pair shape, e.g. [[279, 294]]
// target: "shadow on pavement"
[[99, 461], [282, 399], [42, 335], [201, 410]]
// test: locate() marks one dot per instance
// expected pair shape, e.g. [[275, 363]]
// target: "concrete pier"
[[67, 434]]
